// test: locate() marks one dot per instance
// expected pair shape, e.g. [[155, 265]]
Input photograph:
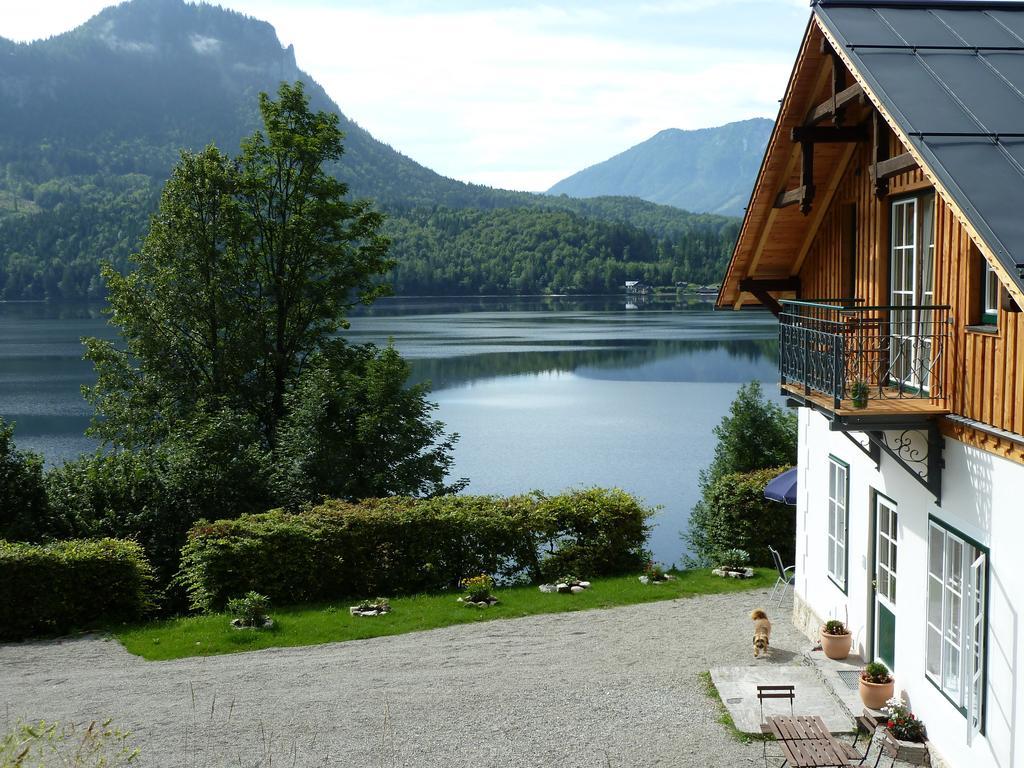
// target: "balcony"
[[864, 366]]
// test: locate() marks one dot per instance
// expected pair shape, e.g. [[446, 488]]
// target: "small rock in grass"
[[644, 580], [548, 588], [576, 590], [585, 584]]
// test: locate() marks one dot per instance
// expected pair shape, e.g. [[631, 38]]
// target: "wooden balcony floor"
[[914, 407]]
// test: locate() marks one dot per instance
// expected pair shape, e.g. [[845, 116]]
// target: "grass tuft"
[[212, 634], [723, 713]]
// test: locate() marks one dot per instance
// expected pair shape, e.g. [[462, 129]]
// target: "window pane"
[[883, 522], [936, 541], [954, 563], [934, 653], [951, 672], [935, 603], [831, 558]]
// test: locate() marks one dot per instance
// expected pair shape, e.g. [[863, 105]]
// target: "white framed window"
[[957, 620], [838, 519], [990, 300]]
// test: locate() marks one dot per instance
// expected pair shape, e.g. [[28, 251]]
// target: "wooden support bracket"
[[834, 106], [759, 289], [816, 134], [883, 170], [879, 150]]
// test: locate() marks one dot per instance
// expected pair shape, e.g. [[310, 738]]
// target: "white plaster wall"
[[983, 497]]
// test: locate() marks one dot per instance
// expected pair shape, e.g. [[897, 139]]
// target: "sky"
[[517, 93]]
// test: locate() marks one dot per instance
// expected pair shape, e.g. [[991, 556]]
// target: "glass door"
[[886, 520], [911, 285]]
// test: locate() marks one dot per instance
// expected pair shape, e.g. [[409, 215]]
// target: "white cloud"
[[525, 92], [205, 45]]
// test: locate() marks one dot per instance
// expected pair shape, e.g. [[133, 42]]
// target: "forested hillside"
[[92, 121]]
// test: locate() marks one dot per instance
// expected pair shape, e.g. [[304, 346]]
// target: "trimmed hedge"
[[73, 584], [402, 545], [734, 514]]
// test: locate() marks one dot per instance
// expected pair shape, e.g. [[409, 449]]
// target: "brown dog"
[[762, 632]]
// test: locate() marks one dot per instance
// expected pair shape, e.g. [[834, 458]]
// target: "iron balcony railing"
[[847, 351]]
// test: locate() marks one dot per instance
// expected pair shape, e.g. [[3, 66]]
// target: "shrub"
[[156, 495], [876, 672], [70, 584], [24, 511], [250, 610], [478, 588], [401, 545], [734, 513], [734, 559]]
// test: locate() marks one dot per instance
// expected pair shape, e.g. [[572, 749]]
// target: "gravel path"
[[616, 687]]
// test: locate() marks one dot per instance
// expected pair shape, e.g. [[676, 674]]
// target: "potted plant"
[[876, 685], [859, 393], [835, 639], [908, 731]]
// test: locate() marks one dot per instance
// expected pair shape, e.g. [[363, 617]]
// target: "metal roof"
[[951, 77]]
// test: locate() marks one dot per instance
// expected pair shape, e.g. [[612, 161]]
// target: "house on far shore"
[[637, 288], [886, 232]]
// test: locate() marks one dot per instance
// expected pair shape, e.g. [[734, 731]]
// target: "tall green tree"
[[230, 325], [248, 269], [755, 435]]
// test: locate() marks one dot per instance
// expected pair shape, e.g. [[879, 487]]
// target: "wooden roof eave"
[[762, 196]]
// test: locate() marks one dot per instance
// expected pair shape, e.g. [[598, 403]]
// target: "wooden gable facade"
[[823, 232]]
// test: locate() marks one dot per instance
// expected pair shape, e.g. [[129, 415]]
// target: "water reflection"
[[546, 392]]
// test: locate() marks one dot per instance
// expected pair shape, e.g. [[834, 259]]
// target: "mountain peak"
[[710, 170]]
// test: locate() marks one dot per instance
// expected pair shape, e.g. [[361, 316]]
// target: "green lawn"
[[312, 624]]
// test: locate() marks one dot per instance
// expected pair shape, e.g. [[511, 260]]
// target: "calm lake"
[[546, 393]]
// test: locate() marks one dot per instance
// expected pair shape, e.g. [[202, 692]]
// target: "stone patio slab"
[[738, 688]]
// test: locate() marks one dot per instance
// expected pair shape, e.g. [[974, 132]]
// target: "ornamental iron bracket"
[[918, 451], [871, 450]]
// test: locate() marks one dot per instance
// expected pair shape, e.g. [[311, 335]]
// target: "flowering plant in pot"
[[835, 639], [904, 726], [876, 685]]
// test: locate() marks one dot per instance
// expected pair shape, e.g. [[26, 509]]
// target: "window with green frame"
[[838, 520], [957, 620], [990, 294]]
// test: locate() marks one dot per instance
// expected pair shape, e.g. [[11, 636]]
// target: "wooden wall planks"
[[982, 371]]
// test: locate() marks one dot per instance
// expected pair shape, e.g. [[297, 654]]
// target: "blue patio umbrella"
[[782, 488]]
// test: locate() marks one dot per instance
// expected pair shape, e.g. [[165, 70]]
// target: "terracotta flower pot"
[[874, 695], [836, 646]]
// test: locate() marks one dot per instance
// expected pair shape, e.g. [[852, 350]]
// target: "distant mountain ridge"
[[92, 121], [710, 170]]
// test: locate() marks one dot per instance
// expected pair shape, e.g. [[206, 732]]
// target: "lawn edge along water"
[[301, 625]]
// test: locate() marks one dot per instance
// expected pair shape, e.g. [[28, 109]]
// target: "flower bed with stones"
[[376, 608], [645, 579], [479, 602], [566, 586], [734, 573], [263, 623]]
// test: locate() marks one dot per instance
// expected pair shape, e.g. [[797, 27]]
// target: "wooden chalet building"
[[886, 231]]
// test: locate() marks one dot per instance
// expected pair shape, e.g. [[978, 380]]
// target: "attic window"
[[990, 295]]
